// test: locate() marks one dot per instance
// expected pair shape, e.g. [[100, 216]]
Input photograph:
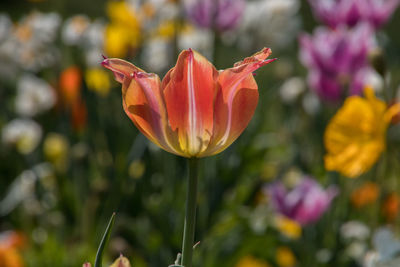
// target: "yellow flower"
[[167, 29], [55, 149], [250, 261], [121, 262], [355, 136], [123, 32], [288, 227], [137, 169], [285, 257], [98, 80]]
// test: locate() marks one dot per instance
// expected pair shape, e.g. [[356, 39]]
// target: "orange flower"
[[79, 115], [365, 194], [391, 206], [10, 242], [196, 111], [70, 84], [285, 257]]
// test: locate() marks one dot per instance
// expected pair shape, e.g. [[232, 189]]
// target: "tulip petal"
[[143, 103], [189, 90], [236, 101], [120, 68]]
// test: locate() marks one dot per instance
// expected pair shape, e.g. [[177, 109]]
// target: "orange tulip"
[[70, 84], [195, 111]]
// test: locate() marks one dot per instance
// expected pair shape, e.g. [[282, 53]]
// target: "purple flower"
[[220, 14], [350, 12], [337, 60], [305, 203]]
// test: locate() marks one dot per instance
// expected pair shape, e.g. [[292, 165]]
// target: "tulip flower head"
[[351, 12], [337, 60], [195, 111], [305, 203]]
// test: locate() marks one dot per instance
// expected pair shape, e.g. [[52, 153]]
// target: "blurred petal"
[[355, 136]]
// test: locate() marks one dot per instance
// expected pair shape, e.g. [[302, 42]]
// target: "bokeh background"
[[69, 156]]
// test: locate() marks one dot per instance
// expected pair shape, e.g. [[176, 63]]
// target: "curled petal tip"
[[105, 62], [190, 50], [266, 61]]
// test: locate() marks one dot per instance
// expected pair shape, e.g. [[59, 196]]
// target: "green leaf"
[[103, 242]]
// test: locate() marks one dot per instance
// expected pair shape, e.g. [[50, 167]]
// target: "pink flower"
[[351, 12], [337, 60], [220, 14], [305, 203]]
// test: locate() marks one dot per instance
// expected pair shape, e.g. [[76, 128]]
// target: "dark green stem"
[[190, 216]]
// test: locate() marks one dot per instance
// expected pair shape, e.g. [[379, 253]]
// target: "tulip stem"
[[190, 215]]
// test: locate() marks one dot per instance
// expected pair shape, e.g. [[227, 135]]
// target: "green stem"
[[190, 216]]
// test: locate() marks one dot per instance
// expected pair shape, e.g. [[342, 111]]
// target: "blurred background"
[[69, 156]]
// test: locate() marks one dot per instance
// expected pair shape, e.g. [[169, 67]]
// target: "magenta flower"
[[222, 15], [337, 60], [350, 12], [305, 203]]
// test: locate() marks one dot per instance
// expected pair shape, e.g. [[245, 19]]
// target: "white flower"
[[311, 103], [356, 250], [262, 18], [93, 57], [74, 29], [374, 80], [5, 26], [44, 26], [22, 187], [354, 230], [34, 96], [386, 244], [93, 40], [30, 44], [291, 89], [157, 54], [25, 134], [94, 35], [200, 40]]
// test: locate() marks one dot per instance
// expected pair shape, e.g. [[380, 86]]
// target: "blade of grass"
[[103, 243]]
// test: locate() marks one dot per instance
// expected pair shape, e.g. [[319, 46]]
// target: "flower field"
[[200, 133]]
